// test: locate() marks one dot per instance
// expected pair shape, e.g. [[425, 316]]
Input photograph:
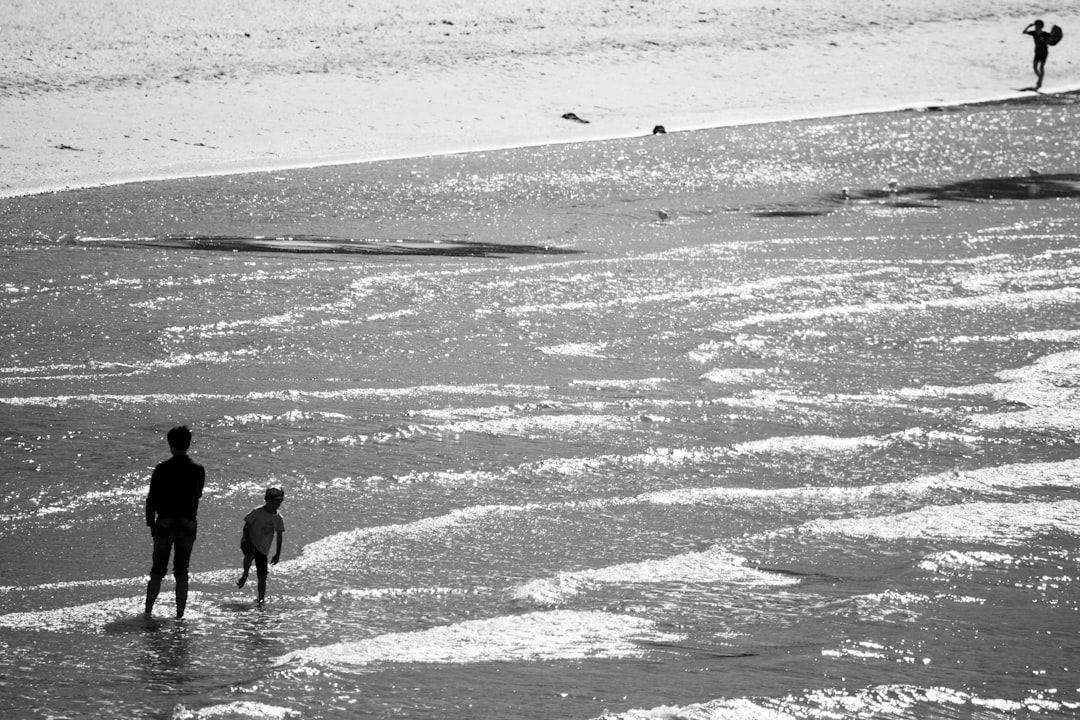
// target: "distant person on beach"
[[1042, 49], [263, 530], [172, 505]]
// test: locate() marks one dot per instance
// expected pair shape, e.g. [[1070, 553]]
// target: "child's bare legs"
[[262, 587], [247, 568]]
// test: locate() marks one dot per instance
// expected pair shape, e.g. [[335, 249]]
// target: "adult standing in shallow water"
[[172, 506], [1042, 49]]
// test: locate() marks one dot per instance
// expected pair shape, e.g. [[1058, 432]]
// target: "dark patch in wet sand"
[[339, 246], [1031, 186], [789, 213]]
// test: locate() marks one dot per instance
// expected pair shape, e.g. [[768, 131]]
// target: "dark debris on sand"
[[338, 246]]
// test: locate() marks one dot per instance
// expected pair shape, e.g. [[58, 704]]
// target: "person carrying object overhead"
[[1043, 41]]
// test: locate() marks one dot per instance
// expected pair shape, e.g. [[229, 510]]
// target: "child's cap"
[[275, 494]]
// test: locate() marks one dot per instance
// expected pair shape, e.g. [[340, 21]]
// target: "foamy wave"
[[811, 444], [241, 709], [69, 371], [866, 650], [231, 327], [626, 383], [1032, 298], [452, 478], [287, 394], [1062, 474], [97, 617], [377, 317], [1030, 278], [324, 553], [881, 701], [543, 424], [1049, 389], [496, 412], [732, 375], [956, 560], [697, 293], [998, 479], [291, 416], [709, 566], [1027, 336], [556, 635], [590, 350], [56, 401], [385, 593], [771, 399], [1001, 523]]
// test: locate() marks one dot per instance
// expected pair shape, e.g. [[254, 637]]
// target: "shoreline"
[[261, 166]]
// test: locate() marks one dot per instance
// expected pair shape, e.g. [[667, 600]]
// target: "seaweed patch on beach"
[[340, 246]]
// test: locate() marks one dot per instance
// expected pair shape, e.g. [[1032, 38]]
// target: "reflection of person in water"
[[1042, 49], [171, 508]]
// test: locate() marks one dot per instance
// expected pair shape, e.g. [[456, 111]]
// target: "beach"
[[772, 415], [106, 92]]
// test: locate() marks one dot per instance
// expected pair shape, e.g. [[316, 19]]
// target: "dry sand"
[[105, 91]]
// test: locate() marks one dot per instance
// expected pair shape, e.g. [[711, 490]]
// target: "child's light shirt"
[[261, 528]]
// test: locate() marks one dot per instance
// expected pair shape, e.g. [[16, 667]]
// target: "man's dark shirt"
[[175, 489]]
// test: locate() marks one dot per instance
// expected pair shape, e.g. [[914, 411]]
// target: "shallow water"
[[655, 428]]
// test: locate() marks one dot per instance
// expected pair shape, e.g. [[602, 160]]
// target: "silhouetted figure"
[[1042, 49], [172, 505], [263, 530]]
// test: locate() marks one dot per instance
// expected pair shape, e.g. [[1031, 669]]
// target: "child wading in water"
[[263, 528]]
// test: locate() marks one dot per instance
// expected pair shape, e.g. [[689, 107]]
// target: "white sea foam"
[[1050, 388], [956, 560], [555, 635], [589, 350], [289, 417], [96, 617], [709, 566], [540, 425], [96, 369], [1060, 335], [864, 650], [231, 327], [995, 479], [286, 394], [393, 315], [736, 376], [632, 383], [1000, 523], [1032, 299], [811, 444], [695, 293], [880, 701], [112, 399], [240, 709]]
